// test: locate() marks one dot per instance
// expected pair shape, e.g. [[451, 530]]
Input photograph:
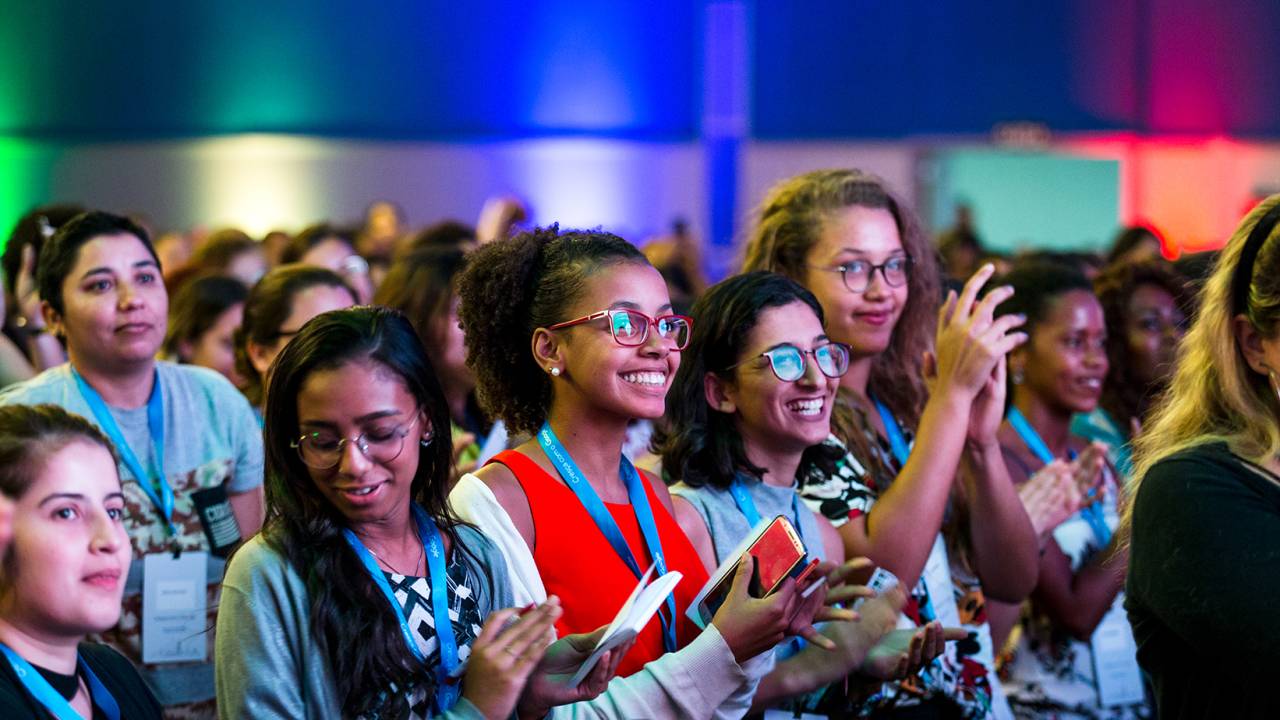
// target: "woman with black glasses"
[[364, 596]]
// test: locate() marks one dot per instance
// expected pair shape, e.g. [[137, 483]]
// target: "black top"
[[116, 673], [1204, 585]]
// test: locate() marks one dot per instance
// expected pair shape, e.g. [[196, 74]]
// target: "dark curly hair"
[[349, 617], [510, 288], [1124, 397], [699, 444]]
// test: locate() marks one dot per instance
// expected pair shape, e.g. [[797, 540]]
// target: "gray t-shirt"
[[728, 526], [211, 440]]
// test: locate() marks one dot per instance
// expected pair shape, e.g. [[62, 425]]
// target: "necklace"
[[416, 563]]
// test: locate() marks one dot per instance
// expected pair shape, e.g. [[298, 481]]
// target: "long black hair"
[[699, 444], [349, 615]]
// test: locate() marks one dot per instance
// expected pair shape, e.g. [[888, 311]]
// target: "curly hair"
[[699, 444], [1124, 397], [510, 288]]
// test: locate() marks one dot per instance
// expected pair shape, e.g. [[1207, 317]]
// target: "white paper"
[[1115, 659], [632, 617], [173, 608]]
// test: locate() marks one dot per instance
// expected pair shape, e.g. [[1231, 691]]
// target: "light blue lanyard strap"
[[52, 701], [897, 441], [1092, 513], [163, 501], [447, 691], [594, 506], [742, 498]]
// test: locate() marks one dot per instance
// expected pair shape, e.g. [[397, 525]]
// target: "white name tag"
[[1115, 659], [173, 608]]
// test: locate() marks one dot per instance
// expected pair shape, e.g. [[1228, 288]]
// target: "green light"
[[24, 180]]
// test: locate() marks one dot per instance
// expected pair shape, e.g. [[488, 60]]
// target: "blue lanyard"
[[1092, 513], [901, 451], [591, 502], [447, 690], [748, 506], [57, 705], [155, 424]]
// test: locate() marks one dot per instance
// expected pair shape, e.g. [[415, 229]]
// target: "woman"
[[1075, 606], [1146, 305], [203, 320], [571, 337], [423, 285], [1204, 567], [66, 558], [233, 253], [276, 309], [843, 236], [357, 520], [748, 413], [326, 246]]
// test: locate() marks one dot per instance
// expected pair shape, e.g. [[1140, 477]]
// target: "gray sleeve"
[[492, 565], [261, 637], [246, 439], [701, 680]]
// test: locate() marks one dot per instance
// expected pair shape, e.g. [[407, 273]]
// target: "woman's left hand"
[[987, 411], [903, 653], [548, 685]]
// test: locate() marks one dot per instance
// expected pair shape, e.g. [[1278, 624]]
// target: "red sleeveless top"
[[578, 564]]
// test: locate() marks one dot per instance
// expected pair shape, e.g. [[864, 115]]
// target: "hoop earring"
[[426, 441]]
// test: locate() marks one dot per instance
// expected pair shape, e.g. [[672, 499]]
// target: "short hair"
[[197, 307], [268, 305], [311, 237], [62, 250]]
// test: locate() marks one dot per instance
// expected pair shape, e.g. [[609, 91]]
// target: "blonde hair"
[[790, 220], [1214, 395]]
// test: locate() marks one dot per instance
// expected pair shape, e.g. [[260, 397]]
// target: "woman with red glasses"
[[571, 337]]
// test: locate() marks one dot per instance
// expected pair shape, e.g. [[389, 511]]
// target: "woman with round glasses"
[[749, 410], [571, 337], [916, 377], [364, 596]]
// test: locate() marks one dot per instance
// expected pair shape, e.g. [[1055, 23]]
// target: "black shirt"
[[118, 676], [1204, 585]]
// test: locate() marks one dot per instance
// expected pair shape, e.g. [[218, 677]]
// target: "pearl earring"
[[555, 372]]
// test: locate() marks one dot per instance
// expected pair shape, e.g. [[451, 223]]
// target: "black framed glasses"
[[788, 361], [856, 274], [630, 328], [322, 449]]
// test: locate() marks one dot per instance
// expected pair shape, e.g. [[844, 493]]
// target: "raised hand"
[[503, 657], [902, 653], [970, 340]]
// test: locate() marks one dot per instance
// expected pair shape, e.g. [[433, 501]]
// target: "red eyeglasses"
[[630, 328]]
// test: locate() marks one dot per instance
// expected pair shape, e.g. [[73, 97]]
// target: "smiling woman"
[[65, 570]]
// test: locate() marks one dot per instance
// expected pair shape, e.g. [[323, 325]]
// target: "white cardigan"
[[701, 680]]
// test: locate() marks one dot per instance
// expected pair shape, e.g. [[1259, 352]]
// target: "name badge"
[[1115, 659], [219, 522], [174, 602]]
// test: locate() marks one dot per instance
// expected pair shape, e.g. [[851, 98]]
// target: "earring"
[[426, 440], [1017, 376], [555, 372], [1275, 383]]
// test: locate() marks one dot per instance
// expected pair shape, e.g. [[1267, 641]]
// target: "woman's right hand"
[[751, 625], [503, 656], [970, 340]]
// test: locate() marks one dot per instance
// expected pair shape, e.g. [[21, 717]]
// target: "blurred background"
[[1039, 125]]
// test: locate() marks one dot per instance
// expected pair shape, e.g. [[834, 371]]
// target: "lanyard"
[[163, 502], [748, 506], [901, 451], [1092, 513], [58, 706], [447, 691], [591, 502]]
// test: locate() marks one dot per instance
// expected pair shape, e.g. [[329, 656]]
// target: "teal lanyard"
[[58, 706], [1092, 513]]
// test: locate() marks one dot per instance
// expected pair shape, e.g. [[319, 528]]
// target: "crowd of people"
[[392, 473]]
